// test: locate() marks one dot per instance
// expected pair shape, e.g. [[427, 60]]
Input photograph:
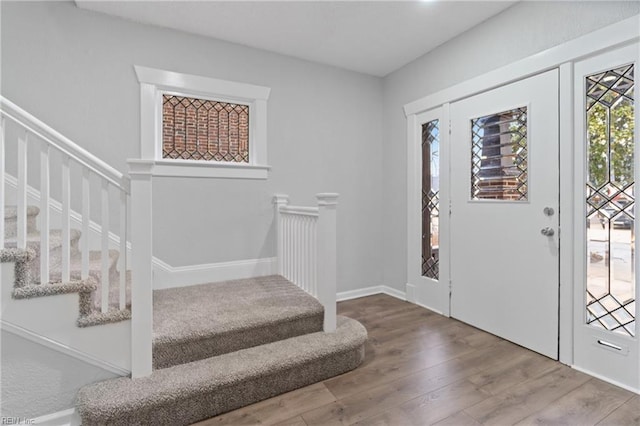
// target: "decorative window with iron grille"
[[195, 126], [203, 129]]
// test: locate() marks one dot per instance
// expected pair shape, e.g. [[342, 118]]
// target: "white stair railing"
[[306, 239], [39, 144]]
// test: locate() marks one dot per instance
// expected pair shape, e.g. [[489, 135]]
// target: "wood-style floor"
[[422, 369]]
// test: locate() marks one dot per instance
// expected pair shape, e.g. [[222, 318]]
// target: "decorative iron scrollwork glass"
[[430, 198], [610, 200], [499, 156], [200, 129]]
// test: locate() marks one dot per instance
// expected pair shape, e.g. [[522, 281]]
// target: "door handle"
[[547, 232]]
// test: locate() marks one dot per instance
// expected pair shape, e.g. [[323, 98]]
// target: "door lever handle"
[[547, 232]]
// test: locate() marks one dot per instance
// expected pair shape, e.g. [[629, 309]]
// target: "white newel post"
[[327, 288], [141, 267], [280, 200]]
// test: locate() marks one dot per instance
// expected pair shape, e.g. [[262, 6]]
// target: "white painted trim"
[[201, 84], [606, 38], [426, 290], [566, 213], [61, 418], [154, 82], [184, 168], [62, 348], [606, 379], [167, 276], [370, 291], [412, 297]]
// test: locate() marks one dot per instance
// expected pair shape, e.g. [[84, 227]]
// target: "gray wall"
[[37, 380], [73, 69], [520, 31]]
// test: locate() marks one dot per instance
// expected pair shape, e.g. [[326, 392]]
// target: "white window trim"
[[155, 82]]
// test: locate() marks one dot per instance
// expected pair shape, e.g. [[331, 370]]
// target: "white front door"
[[504, 212]]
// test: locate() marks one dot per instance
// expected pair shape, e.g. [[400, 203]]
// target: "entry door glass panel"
[[430, 199], [610, 200], [499, 156]]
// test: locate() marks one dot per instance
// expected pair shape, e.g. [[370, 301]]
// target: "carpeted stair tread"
[[197, 322], [11, 212], [55, 240], [11, 220], [53, 289], [75, 267], [99, 318], [191, 392]]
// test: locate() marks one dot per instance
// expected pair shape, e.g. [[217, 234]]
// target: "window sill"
[[202, 169]]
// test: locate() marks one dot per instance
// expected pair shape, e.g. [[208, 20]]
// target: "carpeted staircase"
[[216, 347], [28, 283], [226, 345]]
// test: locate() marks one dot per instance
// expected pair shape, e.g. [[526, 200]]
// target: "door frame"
[[435, 295]]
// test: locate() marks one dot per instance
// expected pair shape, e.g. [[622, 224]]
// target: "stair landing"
[[202, 321]]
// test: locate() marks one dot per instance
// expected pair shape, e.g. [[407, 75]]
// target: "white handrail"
[[13, 112]]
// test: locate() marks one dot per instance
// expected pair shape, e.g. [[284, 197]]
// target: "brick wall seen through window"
[[201, 129]]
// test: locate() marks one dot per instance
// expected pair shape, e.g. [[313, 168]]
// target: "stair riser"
[[187, 393], [169, 354], [186, 411]]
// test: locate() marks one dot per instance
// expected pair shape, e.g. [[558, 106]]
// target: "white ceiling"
[[372, 37]]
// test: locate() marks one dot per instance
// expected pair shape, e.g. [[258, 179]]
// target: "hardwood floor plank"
[[444, 402], [458, 419], [585, 405], [519, 402], [296, 421], [422, 368], [395, 364], [627, 414], [516, 370], [276, 409]]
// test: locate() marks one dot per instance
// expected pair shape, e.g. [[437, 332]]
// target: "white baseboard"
[[62, 348], [606, 379], [413, 298], [61, 418], [369, 291], [167, 276]]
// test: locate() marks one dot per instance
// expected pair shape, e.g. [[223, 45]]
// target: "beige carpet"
[[201, 321], [187, 393]]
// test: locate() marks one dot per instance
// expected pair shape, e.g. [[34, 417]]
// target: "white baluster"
[[314, 258], [305, 253], [296, 257], [104, 231], [294, 236], [289, 248], [22, 192], [308, 251], [280, 200], [2, 135], [65, 220], [86, 219], [123, 250], [44, 214]]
